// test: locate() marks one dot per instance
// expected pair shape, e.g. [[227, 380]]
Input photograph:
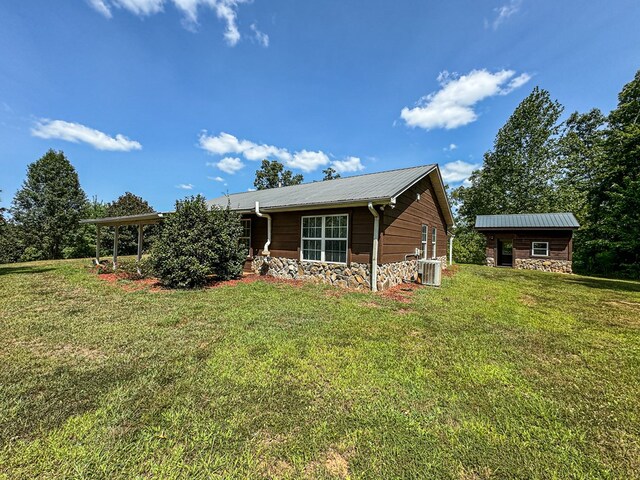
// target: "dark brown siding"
[[402, 226], [286, 232], [559, 242]]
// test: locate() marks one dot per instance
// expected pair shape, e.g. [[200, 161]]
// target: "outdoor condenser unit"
[[430, 272]]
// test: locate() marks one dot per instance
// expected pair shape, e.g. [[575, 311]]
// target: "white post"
[[140, 242], [115, 247], [451, 249], [374, 250], [97, 244]]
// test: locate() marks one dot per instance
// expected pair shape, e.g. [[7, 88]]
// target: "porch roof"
[[141, 219]]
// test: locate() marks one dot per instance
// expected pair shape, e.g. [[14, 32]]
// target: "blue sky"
[[167, 98]]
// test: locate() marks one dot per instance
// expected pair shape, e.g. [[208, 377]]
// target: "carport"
[[116, 222]]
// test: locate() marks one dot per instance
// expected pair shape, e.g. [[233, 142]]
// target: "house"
[[364, 231], [535, 241]]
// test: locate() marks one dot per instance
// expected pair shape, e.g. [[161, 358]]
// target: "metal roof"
[[370, 187], [528, 220], [143, 218]]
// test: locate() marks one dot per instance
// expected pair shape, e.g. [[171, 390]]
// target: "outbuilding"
[[533, 241]]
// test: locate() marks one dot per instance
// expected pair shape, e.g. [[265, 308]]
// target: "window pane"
[[312, 227], [335, 227], [335, 250], [311, 249], [424, 234]]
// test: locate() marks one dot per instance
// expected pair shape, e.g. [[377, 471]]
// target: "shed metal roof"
[[358, 189], [528, 220]]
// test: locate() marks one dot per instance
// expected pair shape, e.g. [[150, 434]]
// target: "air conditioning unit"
[[430, 272]]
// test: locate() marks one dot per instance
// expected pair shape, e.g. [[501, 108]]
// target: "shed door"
[[505, 253]]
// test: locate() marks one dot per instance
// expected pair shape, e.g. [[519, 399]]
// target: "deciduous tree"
[[272, 174]]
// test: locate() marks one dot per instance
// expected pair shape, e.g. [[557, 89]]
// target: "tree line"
[[588, 164]]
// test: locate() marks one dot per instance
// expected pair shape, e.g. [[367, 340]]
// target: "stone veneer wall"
[[545, 265], [491, 262], [356, 275]]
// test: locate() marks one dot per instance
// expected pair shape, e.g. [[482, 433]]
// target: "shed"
[[533, 241]]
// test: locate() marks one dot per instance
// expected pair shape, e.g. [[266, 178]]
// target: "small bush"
[[195, 243]]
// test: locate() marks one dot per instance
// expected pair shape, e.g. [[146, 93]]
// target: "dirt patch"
[[528, 300], [450, 271], [480, 474], [402, 293], [333, 462], [60, 351]]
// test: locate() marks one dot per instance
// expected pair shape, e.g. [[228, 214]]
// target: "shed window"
[[324, 238], [434, 236], [245, 237], [539, 249], [425, 231]]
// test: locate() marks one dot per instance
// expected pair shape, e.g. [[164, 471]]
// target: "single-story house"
[[362, 231], [535, 241]]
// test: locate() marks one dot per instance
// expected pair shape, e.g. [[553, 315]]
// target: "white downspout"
[[451, 249], [374, 253], [265, 250]]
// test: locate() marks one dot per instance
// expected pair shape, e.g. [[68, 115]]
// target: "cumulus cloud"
[[75, 132], [458, 171], [452, 105], [450, 148], [350, 164], [230, 165], [305, 160], [225, 10], [503, 12], [185, 186], [217, 179]]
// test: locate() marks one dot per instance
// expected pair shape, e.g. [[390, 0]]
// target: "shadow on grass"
[[9, 270], [605, 283]]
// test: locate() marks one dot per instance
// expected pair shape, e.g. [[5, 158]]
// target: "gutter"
[[374, 253], [265, 250]]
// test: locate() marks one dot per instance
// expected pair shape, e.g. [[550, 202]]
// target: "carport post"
[[97, 244], [115, 247], [140, 227]]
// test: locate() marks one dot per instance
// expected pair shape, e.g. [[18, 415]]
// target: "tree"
[[10, 245], [195, 242], [49, 205], [611, 238], [130, 204], [272, 174], [330, 174]]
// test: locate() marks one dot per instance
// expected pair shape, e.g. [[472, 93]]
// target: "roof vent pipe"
[[374, 252], [265, 250]]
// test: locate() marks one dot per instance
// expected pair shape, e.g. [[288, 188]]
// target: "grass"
[[498, 374]]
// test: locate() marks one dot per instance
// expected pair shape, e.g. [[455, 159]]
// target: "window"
[[245, 237], [434, 236], [324, 238], [425, 231], [539, 249]]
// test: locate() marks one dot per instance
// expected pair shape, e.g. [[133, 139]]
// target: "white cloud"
[[504, 12], [305, 160], [458, 171], [350, 164], [261, 37], [216, 179], [185, 186], [101, 7], [251, 189], [308, 161], [450, 148], [225, 10], [230, 165], [75, 132], [452, 105]]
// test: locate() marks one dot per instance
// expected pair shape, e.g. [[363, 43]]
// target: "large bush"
[[195, 243]]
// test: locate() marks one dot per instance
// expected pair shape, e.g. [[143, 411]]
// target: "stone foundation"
[[491, 262], [545, 265], [356, 275]]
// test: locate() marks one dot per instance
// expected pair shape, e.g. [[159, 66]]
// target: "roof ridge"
[[341, 178]]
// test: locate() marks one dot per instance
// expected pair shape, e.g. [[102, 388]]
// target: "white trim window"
[[539, 249], [434, 237], [245, 238], [425, 232], [324, 238]]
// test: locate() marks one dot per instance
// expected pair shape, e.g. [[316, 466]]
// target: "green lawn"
[[498, 374]]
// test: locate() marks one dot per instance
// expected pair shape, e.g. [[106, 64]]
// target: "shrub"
[[195, 243], [133, 270]]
